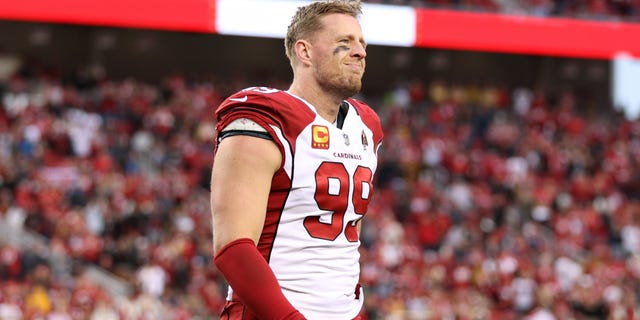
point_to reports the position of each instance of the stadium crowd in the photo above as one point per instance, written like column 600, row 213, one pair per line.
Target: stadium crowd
column 491, row 202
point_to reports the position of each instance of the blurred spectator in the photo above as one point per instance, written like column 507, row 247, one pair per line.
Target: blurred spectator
column 152, row 279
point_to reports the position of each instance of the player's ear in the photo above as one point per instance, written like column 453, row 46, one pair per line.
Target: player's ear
column 302, row 49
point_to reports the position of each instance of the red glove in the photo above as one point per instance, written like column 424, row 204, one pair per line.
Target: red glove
column 253, row 281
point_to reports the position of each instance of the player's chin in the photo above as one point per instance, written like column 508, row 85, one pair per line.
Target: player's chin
column 354, row 78
column 352, row 88
column 358, row 72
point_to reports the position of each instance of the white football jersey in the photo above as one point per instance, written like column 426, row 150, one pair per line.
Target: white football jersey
column 318, row 196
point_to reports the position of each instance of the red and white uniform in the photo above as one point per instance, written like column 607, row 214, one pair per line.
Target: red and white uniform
column 321, row 190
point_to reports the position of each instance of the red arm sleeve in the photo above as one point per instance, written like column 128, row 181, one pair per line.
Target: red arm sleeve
column 253, row 281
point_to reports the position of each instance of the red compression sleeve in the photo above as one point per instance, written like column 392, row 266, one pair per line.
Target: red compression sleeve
column 253, row 281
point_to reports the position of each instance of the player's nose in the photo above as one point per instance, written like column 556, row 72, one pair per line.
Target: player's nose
column 359, row 50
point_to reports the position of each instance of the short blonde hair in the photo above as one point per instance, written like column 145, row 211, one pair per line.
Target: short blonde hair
column 307, row 20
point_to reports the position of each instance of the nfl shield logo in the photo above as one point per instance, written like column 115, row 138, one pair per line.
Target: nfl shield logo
column 365, row 143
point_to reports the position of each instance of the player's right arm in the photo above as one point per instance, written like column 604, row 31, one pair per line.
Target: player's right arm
column 240, row 183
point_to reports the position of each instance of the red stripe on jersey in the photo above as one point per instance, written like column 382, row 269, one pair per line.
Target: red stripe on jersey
column 280, row 187
column 370, row 118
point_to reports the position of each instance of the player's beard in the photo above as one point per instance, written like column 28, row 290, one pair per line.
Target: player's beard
column 342, row 83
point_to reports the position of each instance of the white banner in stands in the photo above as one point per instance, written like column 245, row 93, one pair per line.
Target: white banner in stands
column 625, row 85
column 381, row 24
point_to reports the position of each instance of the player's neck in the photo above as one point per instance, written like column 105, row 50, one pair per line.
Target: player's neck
column 326, row 105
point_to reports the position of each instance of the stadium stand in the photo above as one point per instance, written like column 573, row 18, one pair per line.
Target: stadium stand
column 493, row 201
column 501, row 202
